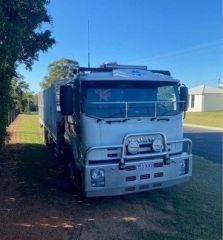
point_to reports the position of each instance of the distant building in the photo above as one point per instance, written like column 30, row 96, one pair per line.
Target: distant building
column 220, row 83
column 204, row 98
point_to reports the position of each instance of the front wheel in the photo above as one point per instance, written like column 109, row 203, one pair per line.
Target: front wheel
column 72, row 174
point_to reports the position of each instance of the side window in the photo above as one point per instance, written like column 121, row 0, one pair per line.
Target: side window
column 166, row 93
column 166, row 97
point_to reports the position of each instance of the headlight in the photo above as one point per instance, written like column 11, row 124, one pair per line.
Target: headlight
column 97, row 178
column 157, row 145
column 133, row 147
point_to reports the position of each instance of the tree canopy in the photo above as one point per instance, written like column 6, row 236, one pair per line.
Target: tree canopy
column 21, row 96
column 21, row 39
column 60, row 69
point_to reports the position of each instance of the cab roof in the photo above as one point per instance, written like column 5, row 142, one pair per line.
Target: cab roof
column 128, row 75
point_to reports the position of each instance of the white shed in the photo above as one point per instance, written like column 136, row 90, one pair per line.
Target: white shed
column 204, row 98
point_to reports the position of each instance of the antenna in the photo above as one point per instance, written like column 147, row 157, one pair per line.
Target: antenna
column 88, row 28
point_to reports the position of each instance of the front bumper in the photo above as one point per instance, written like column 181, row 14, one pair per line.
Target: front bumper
column 133, row 179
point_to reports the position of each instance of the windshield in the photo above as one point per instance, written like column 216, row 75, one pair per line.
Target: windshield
column 130, row 99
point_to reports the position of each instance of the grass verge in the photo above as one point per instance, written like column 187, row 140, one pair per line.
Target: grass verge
column 212, row 119
column 197, row 206
column 41, row 210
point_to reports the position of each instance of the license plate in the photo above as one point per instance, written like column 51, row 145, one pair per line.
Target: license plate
column 145, row 166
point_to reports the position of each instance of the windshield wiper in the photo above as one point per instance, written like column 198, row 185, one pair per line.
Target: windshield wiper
column 98, row 119
column 159, row 119
column 117, row 120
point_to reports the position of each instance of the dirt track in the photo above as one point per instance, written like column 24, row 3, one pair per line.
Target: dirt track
column 33, row 204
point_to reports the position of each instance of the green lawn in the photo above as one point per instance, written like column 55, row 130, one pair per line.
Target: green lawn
column 212, row 119
column 28, row 130
column 192, row 210
column 197, row 206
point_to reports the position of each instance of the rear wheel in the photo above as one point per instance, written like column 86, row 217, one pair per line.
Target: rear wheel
column 45, row 138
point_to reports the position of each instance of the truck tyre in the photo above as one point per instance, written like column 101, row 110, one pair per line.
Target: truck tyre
column 45, row 138
column 71, row 173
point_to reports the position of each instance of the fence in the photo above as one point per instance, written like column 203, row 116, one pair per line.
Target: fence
column 12, row 115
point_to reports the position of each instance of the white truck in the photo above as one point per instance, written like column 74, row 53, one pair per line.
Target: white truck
column 119, row 129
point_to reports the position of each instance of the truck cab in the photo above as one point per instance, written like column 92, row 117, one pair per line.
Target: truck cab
column 124, row 130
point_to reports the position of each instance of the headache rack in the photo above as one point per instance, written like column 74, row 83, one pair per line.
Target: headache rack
column 109, row 68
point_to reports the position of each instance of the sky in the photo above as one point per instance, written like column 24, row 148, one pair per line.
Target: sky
column 183, row 36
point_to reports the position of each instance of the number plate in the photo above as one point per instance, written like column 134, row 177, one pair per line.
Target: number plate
column 145, row 166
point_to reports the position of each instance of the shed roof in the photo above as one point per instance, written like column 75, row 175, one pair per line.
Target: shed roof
column 204, row 89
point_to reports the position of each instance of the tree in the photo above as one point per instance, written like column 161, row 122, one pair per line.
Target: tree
column 21, row 39
column 21, row 96
column 18, row 89
column 60, row 69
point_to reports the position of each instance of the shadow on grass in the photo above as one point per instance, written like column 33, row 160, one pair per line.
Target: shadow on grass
column 188, row 211
column 207, row 144
column 39, row 174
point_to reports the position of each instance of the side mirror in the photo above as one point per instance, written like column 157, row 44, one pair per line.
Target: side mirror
column 66, row 100
column 184, row 96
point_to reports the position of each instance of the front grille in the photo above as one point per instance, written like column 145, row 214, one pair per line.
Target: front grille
column 130, row 178
column 143, row 149
column 112, row 149
column 145, row 176
column 108, row 161
column 158, row 164
column 130, row 168
column 145, row 142
column 159, row 174
column 112, row 155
